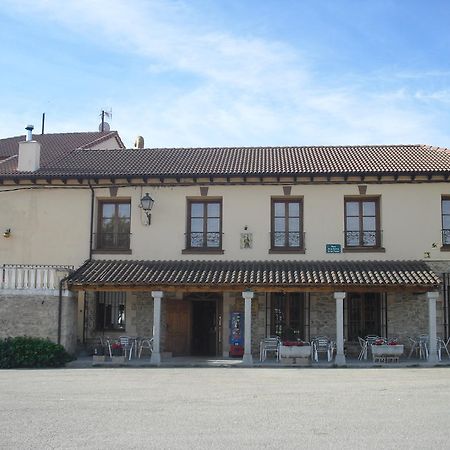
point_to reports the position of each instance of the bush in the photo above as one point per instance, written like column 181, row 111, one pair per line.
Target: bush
column 24, row 351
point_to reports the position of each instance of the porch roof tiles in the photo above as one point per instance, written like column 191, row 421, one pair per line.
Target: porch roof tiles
column 255, row 275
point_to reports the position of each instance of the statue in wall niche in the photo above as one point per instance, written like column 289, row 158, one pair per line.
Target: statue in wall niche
column 246, row 240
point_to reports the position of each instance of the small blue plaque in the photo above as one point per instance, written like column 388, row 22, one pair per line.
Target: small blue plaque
column 333, row 248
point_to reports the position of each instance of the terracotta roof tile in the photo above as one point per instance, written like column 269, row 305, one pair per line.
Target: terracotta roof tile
column 54, row 146
column 338, row 275
column 247, row 161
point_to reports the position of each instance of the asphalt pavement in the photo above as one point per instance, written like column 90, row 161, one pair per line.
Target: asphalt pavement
column 225, row 408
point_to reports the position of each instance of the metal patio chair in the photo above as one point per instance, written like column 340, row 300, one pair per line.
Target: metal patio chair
column 127, row 344
column 146, row 343
column 363, row 345
column 442, row 345
column 269, row 345
column 322, row 344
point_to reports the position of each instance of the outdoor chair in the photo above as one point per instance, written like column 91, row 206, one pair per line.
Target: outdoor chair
column 442, row 345
column 414, row 347
column 106, row 344
column 268, row 345
column 363, row 345
column 423, row 346
column 322, row 344
column 146, row 343
column 127, row 344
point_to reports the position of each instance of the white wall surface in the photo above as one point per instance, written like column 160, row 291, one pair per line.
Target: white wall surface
column 51, row 226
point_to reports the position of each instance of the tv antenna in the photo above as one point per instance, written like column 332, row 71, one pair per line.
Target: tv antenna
column 104, row 126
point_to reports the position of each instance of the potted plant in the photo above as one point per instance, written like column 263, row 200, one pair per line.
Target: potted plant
column 295, row 349
column 386, row 349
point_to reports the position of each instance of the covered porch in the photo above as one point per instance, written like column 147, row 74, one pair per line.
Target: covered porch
column 307, row 299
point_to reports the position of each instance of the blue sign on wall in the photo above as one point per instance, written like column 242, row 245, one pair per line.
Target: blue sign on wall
column 333, row 248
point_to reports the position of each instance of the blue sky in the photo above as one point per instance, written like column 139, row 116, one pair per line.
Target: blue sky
column 230, row 72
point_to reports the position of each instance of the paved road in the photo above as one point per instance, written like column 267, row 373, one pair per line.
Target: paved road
column 225, row 408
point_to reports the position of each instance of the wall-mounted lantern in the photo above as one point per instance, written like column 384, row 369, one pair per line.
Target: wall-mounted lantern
column 147, row 205
column 7, row 233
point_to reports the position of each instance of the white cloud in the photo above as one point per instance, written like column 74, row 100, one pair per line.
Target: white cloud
column 247, row 90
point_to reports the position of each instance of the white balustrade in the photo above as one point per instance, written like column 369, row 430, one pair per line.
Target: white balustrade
column 32, row 277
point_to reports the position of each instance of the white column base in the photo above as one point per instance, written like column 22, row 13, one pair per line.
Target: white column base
column 247, row 359
column 155, row 358
column 340, row 360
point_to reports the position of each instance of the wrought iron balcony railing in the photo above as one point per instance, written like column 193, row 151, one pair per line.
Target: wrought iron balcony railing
column 201, row 240
column 363, row 238
column 111, row 241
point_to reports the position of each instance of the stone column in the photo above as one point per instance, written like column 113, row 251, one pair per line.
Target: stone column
column 156, row 355
column 432, row 354
column 340, row 357
column 248, row 295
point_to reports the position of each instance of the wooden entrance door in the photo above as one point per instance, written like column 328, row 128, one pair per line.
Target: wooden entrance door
column 178, row 327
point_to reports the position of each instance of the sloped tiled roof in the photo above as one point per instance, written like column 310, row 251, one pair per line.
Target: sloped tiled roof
column 256, row 161
column 54, row 146
column 248, row 274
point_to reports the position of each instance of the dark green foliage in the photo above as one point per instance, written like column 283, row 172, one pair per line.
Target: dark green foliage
column 24, row 351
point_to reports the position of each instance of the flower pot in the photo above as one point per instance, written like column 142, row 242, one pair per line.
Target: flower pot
column 387, row 353
column 98, row 358
column 118, row 359
column 295, row 351
column 387, row 350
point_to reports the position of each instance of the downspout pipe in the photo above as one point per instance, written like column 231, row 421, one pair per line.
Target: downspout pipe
column 91, row 236
column 62, row 281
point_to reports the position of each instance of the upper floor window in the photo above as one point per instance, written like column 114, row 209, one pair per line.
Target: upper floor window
column 204, row 225
column 362, row 223
column 287, row 224
column 445, row 208
column 113, row 231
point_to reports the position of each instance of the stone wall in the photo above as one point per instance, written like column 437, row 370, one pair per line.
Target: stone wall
column 407, row 315
column 322, row 315
column 36, row 315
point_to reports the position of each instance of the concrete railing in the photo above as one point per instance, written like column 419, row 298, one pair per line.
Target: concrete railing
column 32, row 277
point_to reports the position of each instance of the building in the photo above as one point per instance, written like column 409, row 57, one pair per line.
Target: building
column 302, row 241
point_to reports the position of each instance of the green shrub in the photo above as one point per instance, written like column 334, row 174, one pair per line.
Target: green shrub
column 25, row 351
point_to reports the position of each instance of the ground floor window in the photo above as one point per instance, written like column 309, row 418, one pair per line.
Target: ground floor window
column 110, row 311
column 287, row 315
column 364, row 315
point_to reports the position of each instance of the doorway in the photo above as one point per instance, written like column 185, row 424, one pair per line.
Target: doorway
column 203, row 328
column 206, row 324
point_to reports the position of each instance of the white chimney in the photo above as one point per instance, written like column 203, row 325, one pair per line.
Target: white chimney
column 29, row 153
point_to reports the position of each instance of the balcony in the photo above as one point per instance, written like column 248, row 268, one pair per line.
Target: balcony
column 203, row 242
column 40, row 279
column 363, row 240
column 287, row 242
